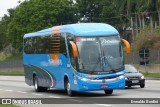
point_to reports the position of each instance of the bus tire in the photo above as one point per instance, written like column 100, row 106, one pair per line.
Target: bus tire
column 68, row 88
column 36, row 85
column 108, row 92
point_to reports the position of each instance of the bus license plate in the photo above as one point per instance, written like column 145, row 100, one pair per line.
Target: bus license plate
column 104, row 86
column 135, row 81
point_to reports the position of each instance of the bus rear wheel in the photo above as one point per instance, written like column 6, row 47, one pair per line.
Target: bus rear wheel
column 68, row 88
column 108, row 92
column 36, row 85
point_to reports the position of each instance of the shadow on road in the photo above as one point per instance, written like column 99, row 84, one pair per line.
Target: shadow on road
column 80, row 94
column 128, row 88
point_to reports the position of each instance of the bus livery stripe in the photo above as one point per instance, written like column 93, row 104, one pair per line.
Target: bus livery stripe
column 55, row 56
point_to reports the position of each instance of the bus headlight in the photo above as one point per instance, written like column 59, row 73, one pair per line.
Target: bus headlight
column 84, row 79
column 121, row 77
column 142, row 77
column 81, row 78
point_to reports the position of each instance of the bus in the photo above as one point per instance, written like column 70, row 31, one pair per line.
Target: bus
column 75, row 57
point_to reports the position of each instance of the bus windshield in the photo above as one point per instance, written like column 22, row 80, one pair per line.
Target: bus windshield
column 99, row 55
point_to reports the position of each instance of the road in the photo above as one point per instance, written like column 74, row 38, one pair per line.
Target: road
column 15, row 87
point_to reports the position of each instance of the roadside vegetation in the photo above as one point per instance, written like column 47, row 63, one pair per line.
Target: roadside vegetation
column 155, row 75
column 34, row 15
column 148, row 38
column 11, row 73
column 9, row 56
column 8, row 105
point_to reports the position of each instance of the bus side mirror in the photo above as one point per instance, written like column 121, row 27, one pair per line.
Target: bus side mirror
column 74, row 48
column 127, row 46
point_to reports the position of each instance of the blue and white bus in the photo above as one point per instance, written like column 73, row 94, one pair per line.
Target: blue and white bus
column 75, row 57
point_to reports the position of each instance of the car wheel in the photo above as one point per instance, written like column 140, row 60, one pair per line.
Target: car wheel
column 129, row 86
column 36, row 85
column 142, row 85
column 108, row 92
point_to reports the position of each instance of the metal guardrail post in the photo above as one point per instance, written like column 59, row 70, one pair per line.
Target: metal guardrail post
column 159, row 58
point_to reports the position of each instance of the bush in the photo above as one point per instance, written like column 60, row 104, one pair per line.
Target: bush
column 148, row 38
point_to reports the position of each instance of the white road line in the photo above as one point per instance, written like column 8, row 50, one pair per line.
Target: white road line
column 106, row 105
column 21, row 92
column 37, row 94
column 75, row 100
column 54, row 97
column 8, row 90
column 3, row 78
column 158, row 97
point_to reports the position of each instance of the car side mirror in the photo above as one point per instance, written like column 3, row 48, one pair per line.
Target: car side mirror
column 74, row 49
column 127, row 46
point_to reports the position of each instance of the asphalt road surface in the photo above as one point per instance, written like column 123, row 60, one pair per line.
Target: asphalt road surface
column 15, row 87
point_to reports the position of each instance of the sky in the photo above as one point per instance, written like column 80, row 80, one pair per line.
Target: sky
column 7, row 4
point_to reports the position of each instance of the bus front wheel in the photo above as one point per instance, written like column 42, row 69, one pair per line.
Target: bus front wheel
column 36, row 85
column 68, row 88
column 108, row 92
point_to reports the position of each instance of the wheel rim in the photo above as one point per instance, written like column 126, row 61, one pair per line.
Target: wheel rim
column 68, row 89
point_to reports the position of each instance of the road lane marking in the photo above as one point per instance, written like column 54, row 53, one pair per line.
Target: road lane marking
column 54, row 97
column 37, row 94
column 75, row 100
column 158, row 97
column 8, row 90
column 21, row 92
column 106, row 105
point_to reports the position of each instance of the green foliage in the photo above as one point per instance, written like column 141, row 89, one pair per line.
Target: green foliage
column 7, row 57
column 148, row 38
column 34, row 15
column 11, row 73
column 8, row 105
column 157, row 75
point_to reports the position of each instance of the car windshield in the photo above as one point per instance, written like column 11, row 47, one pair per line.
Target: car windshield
column 130, row 69
column 100, row 54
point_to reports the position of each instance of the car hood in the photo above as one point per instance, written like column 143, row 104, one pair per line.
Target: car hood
column 133, row 75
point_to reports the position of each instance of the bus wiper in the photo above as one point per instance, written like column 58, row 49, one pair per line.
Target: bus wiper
column 106, row 60
column 81, row 66
column 99, row 60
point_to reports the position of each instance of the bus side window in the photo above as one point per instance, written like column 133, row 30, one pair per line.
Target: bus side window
column 70, row 37
column 57, row 44
column 28, row 46
column 37, row 45
column 63, row 45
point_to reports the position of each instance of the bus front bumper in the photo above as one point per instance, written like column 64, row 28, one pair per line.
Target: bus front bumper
column 107, row 84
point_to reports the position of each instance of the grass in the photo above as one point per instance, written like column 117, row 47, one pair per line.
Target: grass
column 11, row 73
column 157, row 75
column 8, row 105
column 7, row 57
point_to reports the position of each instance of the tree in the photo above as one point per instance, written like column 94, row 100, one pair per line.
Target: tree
column 34, row 15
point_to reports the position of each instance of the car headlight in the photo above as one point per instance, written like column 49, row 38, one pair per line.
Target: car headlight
column 142, row 77
column 126, row 78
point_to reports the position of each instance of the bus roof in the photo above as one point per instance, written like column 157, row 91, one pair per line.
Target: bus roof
column 80, row 29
